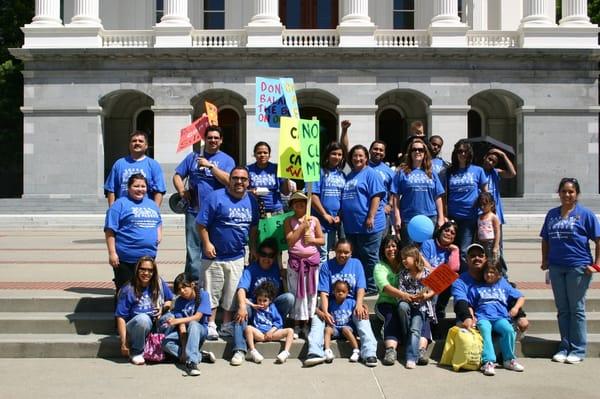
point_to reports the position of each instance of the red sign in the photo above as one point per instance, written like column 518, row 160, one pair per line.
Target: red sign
column 440, row 279
column 192, row 133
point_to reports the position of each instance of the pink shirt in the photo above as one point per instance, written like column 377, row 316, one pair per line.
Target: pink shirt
column 300, row 249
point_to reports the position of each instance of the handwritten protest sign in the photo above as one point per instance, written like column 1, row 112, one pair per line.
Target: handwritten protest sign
column 290, row 163
column 275, row 111
column 212, row 112
column 273, row 228
column 309, row 149
column 192, row 133
column 289, row 92
column 440, row 279
column 268, row 91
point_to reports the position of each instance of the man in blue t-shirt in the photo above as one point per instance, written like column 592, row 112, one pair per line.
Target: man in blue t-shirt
column 206, row 171
column 438, row 164
column 376, row 157
column 226, row 219
column 137, row 162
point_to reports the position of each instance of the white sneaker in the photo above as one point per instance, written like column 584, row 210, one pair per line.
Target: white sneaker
column 283, row 356
column 138, row 360
column 410, row 364
column 212, row 335
column 559, row 357
column 355, row 356
column 227, row 329
column 489, row 369
column 329, row 356
column 237, row 359
column 573, row 359
column 255, row 356
column 513, row 365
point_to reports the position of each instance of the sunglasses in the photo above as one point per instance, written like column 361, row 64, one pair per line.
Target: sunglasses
column 145, row 270
column 417, row 149
column 270, row 255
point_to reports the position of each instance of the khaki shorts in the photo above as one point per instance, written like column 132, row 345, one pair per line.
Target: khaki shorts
column 221, row 278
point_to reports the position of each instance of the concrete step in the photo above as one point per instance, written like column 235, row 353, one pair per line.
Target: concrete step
column 57, row 323
column 546, row 323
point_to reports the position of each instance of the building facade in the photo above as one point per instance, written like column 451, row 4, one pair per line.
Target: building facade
column 97, row 69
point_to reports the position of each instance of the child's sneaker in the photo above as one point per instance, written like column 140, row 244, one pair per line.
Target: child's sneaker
column 282, row 357
column 208, row 357
column 255, row 356
column 410, row 364
column 227, row 329
column 237, row 358
column 192, row 369
column 329, row 356
column 212, row 334
column 390, row 357
column 355, row 355
column 513, row 365
column 138, row 360
column 488, row 368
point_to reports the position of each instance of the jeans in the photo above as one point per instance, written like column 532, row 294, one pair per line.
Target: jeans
column 365, row 247
column 411, row 323
column 464, row 237
column 507, row 334
column 388, row 313
column 316, row 336
column 284, row 304
column 569, row 286
column 196, row 335
column 138, row 329
column 193, row 254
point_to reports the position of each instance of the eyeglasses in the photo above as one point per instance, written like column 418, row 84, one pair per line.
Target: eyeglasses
column 145, row 270
column 417, row 149
column 270, row 255
column 237, row 178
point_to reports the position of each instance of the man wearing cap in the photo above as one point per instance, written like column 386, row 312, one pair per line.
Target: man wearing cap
column 476, row 259
column 206, row 172
column 136, row 162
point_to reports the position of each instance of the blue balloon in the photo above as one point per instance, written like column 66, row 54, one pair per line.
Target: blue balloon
column 420, row 228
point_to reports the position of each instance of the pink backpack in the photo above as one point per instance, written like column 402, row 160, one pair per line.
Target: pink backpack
column 153, row 351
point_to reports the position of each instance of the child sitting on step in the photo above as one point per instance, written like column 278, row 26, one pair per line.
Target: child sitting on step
column 340, row 311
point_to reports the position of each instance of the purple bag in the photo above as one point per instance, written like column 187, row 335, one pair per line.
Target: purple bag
column 153, row 351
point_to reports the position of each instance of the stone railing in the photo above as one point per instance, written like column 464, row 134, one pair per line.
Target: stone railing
column 310, row 38
column 127, row 38
column 219, row 38
column 492, row 38
column 401, row 38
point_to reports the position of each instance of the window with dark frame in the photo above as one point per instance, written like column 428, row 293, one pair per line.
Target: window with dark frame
column 160, row 10
column 309, row 14
column 214, row 14
column 404, row 14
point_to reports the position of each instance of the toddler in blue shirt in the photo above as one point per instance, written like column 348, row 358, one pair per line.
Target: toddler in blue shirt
column 339, row 320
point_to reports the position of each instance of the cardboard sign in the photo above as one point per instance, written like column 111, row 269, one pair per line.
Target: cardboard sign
column 309, row 149
column 289, row 92
column 289, row 163
column 440, row 279
column 275, row 111
column 213, row 113
column 192, row 133
column 268, row 91
column 273, row 228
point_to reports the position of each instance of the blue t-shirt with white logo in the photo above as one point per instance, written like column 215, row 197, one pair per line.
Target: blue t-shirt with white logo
column 418, row 193
column 342, row 313
column 435, row 254
column 228, row 220
column 135, row 224
column 201, row 180
column 128, row 306
column 116, row 182
column 267, row 178
column 187, row 307
column 438, row 165
column 361, row 187
column 254, row 275
column 490, row 301
column 464, row 186
column 568, row 239
column 461, row 287
column 386, row 174
column 352, row 272
column 329, row 189
column 266, row 319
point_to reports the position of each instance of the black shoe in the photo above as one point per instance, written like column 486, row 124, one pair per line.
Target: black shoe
column 423, row 358
column 208, row 357
column 313, row 359
column 192, row 369
column 371, row 361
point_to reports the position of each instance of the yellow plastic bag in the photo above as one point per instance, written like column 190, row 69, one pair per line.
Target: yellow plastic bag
column 462, row 349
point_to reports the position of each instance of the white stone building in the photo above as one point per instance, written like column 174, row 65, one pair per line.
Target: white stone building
column 97, row 69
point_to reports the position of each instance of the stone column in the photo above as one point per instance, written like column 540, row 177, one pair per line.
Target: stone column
column 450, row 122
column 169, row 119
column 356, row 28
column 356, row 12
column 266, row 12
column 174, row 28
column 478, row 17
column 86, row 13
column 535, row 13
column 574, row 13
column 445, row 13
column 176, row 13
column 446, row 30
column 47, row 13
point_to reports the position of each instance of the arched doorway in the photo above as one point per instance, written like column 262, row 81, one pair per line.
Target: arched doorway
column 397, row 109
column 125, row 111
column 315, row 103
column 232, row 119
column 494, row 114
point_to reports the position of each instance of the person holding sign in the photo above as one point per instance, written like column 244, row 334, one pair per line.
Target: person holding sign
column 206, row 171
column 264, row 183
column 304, row 236
column 362, row 212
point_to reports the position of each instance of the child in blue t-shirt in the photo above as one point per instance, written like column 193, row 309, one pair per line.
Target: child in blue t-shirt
column 267, row 324
column 490, row 302
column 339, row 320
column 187, row 326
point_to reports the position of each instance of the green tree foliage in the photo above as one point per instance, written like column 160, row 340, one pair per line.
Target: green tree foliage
column 594, row 11
column 13, row 15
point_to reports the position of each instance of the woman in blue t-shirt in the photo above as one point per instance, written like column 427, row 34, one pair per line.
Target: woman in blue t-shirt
column 140, row 303
column 566, row 253
column 464, row 182
column 264, row 183
column 416, row 190
column 362, row 212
